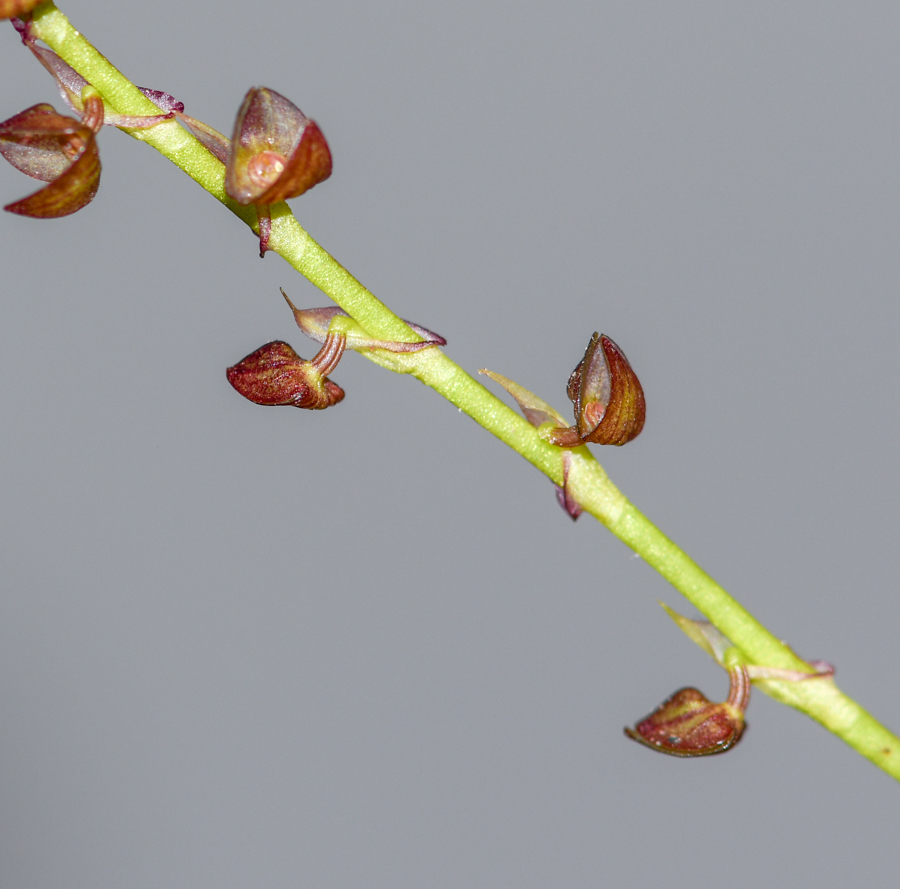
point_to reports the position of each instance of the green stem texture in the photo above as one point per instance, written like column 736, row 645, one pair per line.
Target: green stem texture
column 588, row 483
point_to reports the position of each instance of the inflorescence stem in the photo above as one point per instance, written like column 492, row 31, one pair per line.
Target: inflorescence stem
column 586, row 480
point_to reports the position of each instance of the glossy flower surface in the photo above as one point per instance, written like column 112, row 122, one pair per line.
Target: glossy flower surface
column 608, row 398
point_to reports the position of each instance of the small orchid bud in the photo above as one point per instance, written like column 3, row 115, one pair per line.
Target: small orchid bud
column 14, row 8
column 276, row 375
column 276, row 151
column 688, row 724
column 318, row 323
column 55, row 149
column 608, row 399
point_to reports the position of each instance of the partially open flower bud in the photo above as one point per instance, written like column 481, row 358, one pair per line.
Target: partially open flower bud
column 276, row 375
column 276, row 151
column 56, row 149
column 688, row 724
column 608, row 399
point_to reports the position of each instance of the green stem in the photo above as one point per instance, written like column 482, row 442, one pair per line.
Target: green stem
column 588, row 483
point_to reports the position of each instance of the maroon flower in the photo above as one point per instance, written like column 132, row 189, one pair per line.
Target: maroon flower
column 688, row 724
column 277, row 152
column 61, row 150
column 276, row 375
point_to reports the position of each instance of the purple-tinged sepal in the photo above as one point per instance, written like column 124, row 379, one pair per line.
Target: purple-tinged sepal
column 318, row 323
column 163, row 101
column 72, row 87
column 564, row 496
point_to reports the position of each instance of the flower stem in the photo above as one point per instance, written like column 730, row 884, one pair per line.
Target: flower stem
column 587, row 482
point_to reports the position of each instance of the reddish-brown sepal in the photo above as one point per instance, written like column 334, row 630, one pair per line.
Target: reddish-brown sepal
column 56, row 149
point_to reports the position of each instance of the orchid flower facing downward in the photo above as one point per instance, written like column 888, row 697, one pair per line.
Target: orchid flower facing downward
column 687, row 723
column 276, row 375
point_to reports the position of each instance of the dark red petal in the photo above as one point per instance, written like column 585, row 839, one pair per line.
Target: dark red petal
column 49, row 146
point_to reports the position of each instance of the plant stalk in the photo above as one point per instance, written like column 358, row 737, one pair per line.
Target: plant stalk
column 819, row 698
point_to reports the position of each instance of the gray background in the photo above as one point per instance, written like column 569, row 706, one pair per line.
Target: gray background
column 364, row 648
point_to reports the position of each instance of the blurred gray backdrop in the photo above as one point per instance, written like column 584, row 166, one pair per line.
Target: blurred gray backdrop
column 365, row 648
